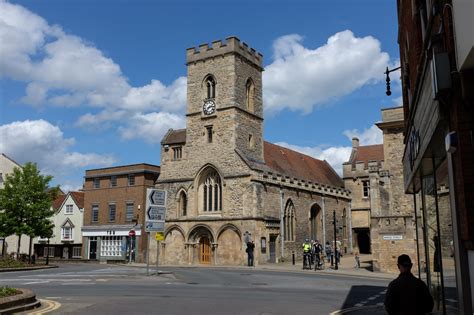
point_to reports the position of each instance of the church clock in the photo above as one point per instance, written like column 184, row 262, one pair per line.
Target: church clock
column 209, row 107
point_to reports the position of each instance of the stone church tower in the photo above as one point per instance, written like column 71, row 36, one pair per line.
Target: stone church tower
column 225, row 184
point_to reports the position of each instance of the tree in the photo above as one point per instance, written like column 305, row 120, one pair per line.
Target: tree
column 26, row 201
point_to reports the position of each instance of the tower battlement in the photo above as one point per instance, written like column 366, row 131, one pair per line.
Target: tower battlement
column 219, row 48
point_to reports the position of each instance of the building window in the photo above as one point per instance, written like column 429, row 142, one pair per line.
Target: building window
column 48, row 251
column 366, row 188
column 177, row 153
column 182, row 203
column 210, row 87
column 68, row 209
column 113, row 181
column 111, row 246
column 96, row 182
column 211, row 191
column 131, row 180
column 251, row 142
column 76, row 252
column 66, row 233
column 209, row 134
column 95, row 213
column 250, row 92
column 112, row 212
column 289, row 221
column 129, row 211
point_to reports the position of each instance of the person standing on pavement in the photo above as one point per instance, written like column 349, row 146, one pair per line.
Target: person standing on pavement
column 249, row 250
column 407, row 294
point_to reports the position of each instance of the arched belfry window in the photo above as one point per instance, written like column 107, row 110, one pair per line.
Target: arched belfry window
column 289, row 221
column 182, row 203
column 210, row 84
column 250, row 94
column 210, row 191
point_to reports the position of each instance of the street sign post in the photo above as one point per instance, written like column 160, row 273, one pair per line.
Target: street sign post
column 155, row 215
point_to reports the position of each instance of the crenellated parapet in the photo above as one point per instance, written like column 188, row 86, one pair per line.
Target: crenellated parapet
column 301, row 184
column 232, row 45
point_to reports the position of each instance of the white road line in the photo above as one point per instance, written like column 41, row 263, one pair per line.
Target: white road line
column 35, row 282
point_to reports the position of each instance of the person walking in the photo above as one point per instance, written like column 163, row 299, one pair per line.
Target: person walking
column 249, row 250
column 407, row 294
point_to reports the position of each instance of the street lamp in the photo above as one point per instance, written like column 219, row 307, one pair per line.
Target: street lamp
column 387, row 72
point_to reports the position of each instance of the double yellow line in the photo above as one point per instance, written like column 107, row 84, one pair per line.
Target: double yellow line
column 50, row 306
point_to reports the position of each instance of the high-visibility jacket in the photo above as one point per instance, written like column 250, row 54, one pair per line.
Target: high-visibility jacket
column 306, row 247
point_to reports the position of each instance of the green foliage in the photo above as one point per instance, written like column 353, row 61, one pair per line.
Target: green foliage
column 6, row 291
column 26, row 201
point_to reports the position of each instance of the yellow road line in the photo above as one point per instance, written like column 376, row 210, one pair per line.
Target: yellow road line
column 51, row 306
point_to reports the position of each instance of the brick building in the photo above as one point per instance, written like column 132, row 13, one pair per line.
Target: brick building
column 437, row 65
column 227, row 185
column 114, row 204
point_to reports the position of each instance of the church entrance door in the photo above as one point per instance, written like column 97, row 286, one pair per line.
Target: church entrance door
column 204, row 250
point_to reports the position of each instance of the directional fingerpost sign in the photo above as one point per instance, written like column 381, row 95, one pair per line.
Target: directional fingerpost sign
column 155, row 212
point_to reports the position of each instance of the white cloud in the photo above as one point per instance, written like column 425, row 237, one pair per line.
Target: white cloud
column 301, row 78
column 151, row 127
column 372, row 135
column 64, row 70
column 335, row 156
column 43, row 143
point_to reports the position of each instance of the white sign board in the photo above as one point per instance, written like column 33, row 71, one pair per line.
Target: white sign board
column 155, row 211
column 392, row 237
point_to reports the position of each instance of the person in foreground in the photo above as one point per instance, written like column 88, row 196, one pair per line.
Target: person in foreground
column 407, row 294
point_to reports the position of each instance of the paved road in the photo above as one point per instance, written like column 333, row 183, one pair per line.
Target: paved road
column 106, row 289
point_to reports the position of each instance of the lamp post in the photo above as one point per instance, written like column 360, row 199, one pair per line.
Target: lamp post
column 387, row 72
column 335, row 240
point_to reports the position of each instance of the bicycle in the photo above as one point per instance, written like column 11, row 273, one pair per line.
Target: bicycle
column 307, row 260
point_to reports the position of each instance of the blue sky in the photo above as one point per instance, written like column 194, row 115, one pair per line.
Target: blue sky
column 88, row 84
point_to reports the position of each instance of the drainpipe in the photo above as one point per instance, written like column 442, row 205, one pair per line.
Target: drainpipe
column 349, row 218
column 282, row 226
column 324, row 221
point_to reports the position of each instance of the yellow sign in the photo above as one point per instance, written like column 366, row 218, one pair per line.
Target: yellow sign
column 160, row 236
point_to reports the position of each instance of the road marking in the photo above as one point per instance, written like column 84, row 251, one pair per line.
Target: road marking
column 35, row 282
column 51, row 306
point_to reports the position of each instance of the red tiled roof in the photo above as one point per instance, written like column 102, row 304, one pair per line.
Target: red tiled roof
column 78, row 197
column 299, row 165
column 58, row 201
column 368, row 153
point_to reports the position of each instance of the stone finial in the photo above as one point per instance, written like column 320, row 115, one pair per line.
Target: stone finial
column 355, row 142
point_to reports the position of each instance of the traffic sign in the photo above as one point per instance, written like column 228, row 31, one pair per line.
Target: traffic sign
column 156, row 213
column 160, row 236
column 154, row 226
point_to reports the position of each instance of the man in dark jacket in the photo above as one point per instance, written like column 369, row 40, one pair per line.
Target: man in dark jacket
column 407, row 294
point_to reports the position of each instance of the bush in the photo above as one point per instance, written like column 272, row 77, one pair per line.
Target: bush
column 6, row 291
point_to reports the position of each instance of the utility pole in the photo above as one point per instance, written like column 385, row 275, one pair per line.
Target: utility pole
column 335, row 240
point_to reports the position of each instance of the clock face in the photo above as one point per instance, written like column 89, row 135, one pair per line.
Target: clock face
column 209, row 107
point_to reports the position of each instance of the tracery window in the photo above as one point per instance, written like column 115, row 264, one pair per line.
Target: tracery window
column 211, row 191
column 210, row 87
column 289, row 221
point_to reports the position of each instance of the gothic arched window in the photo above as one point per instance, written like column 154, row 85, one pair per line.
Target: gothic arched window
column 289, row 221
column 210, row 190
column 210, row 84
column 249, row 94
column 182, row 203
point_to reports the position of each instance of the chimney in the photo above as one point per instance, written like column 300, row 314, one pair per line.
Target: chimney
column 355, row 142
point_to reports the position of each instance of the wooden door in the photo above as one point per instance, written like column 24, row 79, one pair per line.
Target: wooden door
column 204, row 250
